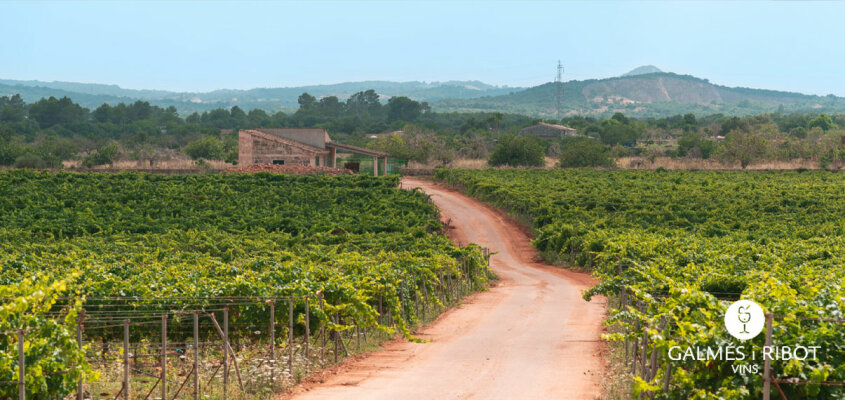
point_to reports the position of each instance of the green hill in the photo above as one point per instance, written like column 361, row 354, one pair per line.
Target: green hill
column 647, row 95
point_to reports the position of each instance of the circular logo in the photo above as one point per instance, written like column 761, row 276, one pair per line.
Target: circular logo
column 744, row 319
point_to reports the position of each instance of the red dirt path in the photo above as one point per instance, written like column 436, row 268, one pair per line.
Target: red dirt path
column 531, row 336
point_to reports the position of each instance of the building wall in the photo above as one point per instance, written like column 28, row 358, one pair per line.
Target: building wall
column 257, row 150
column 546, row 132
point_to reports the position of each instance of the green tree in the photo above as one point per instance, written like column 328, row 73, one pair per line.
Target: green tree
column 582, row 152
column 102, row 156
column 366, row 102
column 742, row 147
column 822, row 121
column 518, row 151
column 403, row 109
column 695, row 144
column 208, row 148
column 306, row 101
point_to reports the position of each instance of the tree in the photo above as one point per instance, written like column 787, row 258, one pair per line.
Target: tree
column 403, row 109
column 330, row 106
column 518, row 151
column 742, row 147
column 695, row 143
column 12, row 109
column 582, row 152
column 620, row 130
column 208, row 148
column 822, row 121
column 366, row 102
column 52, row 111
column 306, row 101
column 102, row 156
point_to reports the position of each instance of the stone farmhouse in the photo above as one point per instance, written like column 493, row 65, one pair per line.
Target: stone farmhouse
column 549, row 131
column 297, row 146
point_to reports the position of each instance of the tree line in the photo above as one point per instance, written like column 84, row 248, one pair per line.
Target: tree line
column 50, row 131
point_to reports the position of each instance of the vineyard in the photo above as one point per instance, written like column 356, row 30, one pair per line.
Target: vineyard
column 96, row 268
column 674, row 249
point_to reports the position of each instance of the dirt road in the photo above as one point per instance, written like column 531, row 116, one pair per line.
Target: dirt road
column 531, row 336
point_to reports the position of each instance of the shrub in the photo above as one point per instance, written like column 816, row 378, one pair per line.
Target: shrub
column 518, row 151
column 30, row 160
column 584, row 152
column 102, row 156
column 209, row 148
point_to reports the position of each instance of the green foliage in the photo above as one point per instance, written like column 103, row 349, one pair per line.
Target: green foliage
column 695, row 144
column 685, row 244
column 54, row 362
column 584, row 152
column 358, row 240
column 620, row 130
column 29, row 160
column 822, row 121
column 518, row 151
column 403, row 109
column 102, row 156
column 742, row 147
column 209, row 148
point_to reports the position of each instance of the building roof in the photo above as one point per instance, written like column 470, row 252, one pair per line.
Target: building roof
column 315, row 137
column 285, row 140
column 356, row 149
column 558, row 127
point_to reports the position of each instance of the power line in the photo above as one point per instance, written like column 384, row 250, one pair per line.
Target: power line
column 558, row 90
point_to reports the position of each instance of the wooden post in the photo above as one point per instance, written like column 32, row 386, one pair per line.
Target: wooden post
column 335, row 335
column 21, row 367
column 225, row 338
column 272, row 342
column 767, row 362
column 225, row 353
column 322, row 333
column 125, row 359
column 375, row 166
column 164, row 356
column 307, row 332
column 290, row 336
column 196, row 355
column 79, row 394
column 384, row 165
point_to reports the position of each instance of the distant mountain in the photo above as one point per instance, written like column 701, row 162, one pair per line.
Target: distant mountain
column 646, row 95
column 645, row 69
column 642, row 92
column 272, row 99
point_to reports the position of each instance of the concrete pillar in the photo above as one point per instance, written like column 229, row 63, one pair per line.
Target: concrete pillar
column 375, row 166
column 332, row 157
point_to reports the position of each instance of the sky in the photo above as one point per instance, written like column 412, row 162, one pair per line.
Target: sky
column 203, row 46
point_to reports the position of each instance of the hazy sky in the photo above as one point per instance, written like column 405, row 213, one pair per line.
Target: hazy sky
column 199, row 46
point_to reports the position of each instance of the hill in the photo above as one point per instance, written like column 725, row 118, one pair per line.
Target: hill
column 645, row 69
column 92, row 95
column 643, row 92
column 648, row 94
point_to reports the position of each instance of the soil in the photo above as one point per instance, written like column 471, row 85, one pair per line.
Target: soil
column 530, row 336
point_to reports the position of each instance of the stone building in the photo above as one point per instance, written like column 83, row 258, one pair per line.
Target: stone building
column 297, row 146
column 549, row 131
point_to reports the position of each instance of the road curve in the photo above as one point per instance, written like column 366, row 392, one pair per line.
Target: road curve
column 531, row 336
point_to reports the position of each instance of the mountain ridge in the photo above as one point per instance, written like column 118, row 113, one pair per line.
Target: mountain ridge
column 640, row 92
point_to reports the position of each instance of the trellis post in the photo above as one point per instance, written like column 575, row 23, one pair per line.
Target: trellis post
column 225, row 353
column 196, row 355
column 164, row 356
column 21, row 367
column 767, row 362
column 125, row 359
column 79, row 394
column 272, row 342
